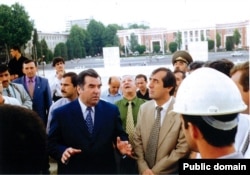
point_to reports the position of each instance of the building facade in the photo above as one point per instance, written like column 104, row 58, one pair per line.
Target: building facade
column 162, row 36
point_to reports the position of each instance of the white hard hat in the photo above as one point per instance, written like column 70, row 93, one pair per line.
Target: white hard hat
column 208, row 92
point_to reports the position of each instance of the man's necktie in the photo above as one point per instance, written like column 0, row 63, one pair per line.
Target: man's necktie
column 130, row 127
column 89, row 121
column 31, row 88
column 151, row 150
column 8, row 92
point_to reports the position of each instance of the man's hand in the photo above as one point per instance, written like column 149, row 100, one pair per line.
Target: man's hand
column 148, row 172
column 124, row 147
column 68, row 153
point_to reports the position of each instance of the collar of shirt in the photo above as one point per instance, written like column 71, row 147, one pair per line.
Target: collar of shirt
column 27, row 79
column 84, row 110
column 164, row 109
column 125, row 101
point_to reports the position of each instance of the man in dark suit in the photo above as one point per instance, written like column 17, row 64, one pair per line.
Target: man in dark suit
column 84, row 133
column 38, row 89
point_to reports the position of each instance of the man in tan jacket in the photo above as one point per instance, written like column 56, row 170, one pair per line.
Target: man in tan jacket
column 170, row 144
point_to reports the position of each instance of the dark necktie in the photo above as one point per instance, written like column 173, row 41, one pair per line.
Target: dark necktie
column 8, row 92
column 89, row 121
column 151, row 150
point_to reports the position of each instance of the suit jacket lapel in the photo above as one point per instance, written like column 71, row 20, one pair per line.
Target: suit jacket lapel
column 167, row 123
column 98, row 122
column 150, row 114
column 77, row 117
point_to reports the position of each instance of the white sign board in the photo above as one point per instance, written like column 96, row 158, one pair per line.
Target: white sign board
column 198, row 50
column 111, row 57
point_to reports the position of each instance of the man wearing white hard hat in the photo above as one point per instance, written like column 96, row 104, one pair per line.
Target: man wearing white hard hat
column 209, row 103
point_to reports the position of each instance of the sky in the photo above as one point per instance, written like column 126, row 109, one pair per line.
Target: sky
column 51, row 15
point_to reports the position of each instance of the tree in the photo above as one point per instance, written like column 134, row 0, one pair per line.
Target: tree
column 229, row 43
column 218, row 40
column 109, row 36
column 202, row 37
column 173, row 47
column 156, row 48
column 15, row 26
column 141, row 49
column 133, row 42
column 76, row 42
column 46, row 53
column 35, row 44
column 210, row 44
column 178, row 40
column 61, row 50
column 96, row 29
column 136, row 26
column 236, row 37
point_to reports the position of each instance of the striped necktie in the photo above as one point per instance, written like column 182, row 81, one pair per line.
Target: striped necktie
column 152, row 145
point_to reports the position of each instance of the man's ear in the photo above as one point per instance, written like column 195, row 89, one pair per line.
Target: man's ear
column 194, row 131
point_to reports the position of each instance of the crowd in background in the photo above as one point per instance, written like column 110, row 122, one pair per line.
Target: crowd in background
column 138, row 125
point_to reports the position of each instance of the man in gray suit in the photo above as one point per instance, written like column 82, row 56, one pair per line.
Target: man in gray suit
column 170, row 141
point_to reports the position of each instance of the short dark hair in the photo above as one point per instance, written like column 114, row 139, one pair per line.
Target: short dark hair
column 3, row 68
column 29, row 61
column 195, row 65
column 57, row 60
column 73, row 77
column 23, row 141
column 89, row 72
column 141, row 76
column 168, row 80
column 15, row 47
column 223, row 65
column 213, row 136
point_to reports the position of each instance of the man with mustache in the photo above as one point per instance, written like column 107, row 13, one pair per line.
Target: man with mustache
column 13, row 89
column 69, row 93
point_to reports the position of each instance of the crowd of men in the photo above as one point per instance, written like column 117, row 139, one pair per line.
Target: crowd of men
column 138, row 125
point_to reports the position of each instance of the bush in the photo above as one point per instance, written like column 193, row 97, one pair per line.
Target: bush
column 173, row 47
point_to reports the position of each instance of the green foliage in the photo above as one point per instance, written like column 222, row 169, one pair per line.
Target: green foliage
column 173, row 47
column 136, row 26
column 15, row 26
column 156, row 48
column 218, row 40
column 178, row 40
column 77, row 43
column 141, row 49
column 229, row 43
column 202, row 37
column 96, row 30
column 61, row 50
column 210, row 44
column 35, row 45
column 109, row 36
column 133, row 42
column 123, row 49
column 236, row 37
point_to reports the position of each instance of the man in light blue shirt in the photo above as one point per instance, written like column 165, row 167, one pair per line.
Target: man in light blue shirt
column 69, row 93
column 113, row 93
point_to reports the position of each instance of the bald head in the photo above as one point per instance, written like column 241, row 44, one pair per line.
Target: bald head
column 114, row 84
